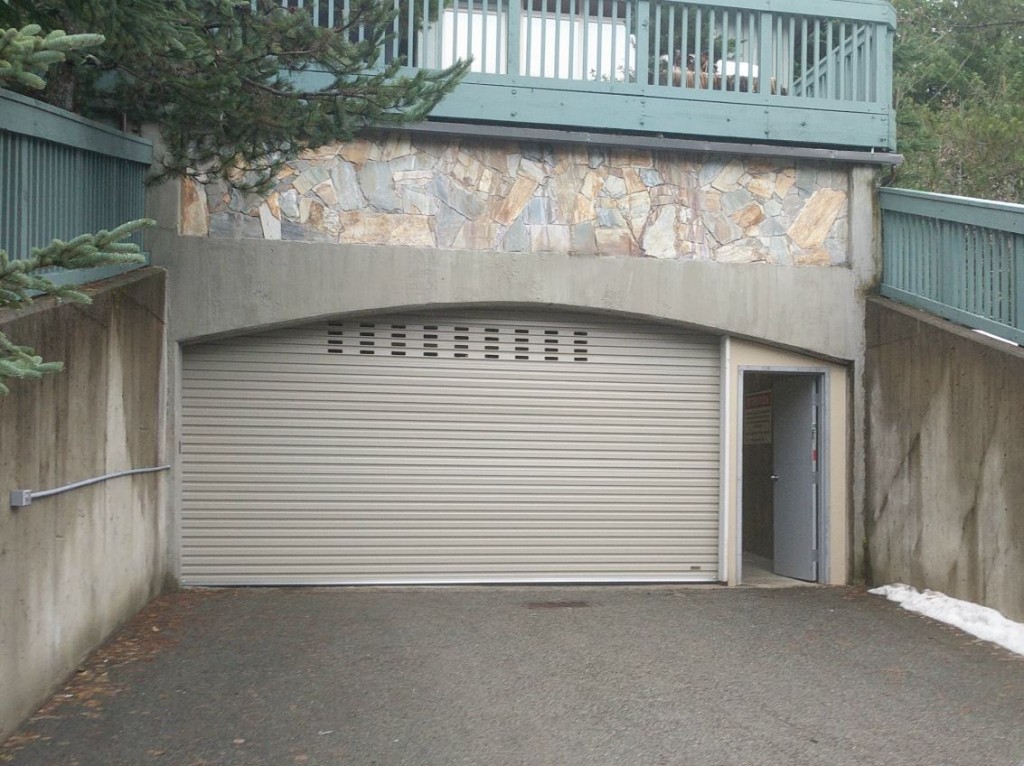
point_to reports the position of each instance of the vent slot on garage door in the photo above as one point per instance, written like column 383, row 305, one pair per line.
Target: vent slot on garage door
column 458, row 341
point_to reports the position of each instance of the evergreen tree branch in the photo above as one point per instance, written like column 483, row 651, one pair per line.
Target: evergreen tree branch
column 22, row 362
column 20, row 284
column 26, row 53
column 238, row 88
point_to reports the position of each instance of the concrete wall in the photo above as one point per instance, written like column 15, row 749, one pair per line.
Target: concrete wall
column 945, row 436
column 74, row 566
column 776, row 250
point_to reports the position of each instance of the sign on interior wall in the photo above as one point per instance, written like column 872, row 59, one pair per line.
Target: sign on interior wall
column 757, row 418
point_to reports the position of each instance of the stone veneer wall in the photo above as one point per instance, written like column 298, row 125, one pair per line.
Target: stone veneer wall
column 474, row 194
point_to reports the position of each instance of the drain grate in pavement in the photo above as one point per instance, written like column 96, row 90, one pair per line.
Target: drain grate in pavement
column 556, row 604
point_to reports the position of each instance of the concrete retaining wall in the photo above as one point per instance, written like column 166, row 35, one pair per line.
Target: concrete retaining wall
column 945, row 435
column 74, row 566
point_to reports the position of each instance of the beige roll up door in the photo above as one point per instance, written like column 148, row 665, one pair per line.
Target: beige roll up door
column 478, row 447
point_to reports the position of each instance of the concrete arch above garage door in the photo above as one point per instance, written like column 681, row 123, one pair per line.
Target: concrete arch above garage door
column 486, row 446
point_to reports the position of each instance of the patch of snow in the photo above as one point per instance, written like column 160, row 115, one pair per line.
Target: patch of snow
column 981, row 621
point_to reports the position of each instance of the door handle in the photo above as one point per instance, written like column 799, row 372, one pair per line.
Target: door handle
column 774, row 477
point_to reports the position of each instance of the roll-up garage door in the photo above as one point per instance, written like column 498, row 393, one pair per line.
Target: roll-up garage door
column 477, row 447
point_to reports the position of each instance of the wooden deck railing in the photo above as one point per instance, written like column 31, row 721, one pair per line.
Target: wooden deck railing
column 808, row 72
column 960, row 258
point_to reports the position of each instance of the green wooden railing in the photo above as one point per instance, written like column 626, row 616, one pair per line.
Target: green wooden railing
column 808, row 72
column 62, row 176
column 960, row 258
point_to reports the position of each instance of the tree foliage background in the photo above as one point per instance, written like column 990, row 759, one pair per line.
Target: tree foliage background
column 959, row 96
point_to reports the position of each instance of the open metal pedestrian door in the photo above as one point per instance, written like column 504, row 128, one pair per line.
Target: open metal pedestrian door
column 795, row 476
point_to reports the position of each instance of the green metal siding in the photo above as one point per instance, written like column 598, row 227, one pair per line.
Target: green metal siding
column 62, row 176
column 960, row 258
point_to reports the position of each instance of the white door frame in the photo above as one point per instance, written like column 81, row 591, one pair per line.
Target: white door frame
column 824, row 457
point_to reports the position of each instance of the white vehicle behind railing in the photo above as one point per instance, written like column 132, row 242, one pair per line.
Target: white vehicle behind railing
column 736, row 68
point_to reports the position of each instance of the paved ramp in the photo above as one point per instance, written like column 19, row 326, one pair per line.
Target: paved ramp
column 495, row 676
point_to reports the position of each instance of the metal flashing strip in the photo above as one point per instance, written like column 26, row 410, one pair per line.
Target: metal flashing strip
column 652, row 142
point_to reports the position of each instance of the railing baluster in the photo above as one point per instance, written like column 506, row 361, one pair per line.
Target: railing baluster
column 643, row 41
column 614, row 28
column 484, row 36
column 455, row 31
column 395, row 26
column 843, row 65
column 712, row 13
column 855, row 63
column 544, row 38
column 784, row 78
column 529, row 38
column 432, row 33
column 670, row 49
column 828, row 79
column 765, row 51
column 654, row 37
column 470, row 18
column 814, row 69
column 753, row 55
column 415, row 39
column 884, row 38
column 1017, row 280
column 558, row 39
column 586, row 39
column 725, row 55
column 999, row 267
column 626, row 68
column 572, row 40
column 684, row 49
column 803, row 61
column 698, row 79
column 513, row 46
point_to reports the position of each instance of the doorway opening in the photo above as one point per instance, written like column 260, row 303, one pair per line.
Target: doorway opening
column 782, row 536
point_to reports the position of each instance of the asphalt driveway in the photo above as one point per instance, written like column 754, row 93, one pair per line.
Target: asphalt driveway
column 494, row 676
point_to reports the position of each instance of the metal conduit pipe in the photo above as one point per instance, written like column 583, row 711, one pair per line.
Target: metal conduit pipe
column 22, row 497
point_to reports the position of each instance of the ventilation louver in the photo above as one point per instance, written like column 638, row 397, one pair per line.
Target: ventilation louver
column 463, row 341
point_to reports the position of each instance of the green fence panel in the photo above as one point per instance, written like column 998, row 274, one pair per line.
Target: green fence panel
column 62, row 176
column 960, row 258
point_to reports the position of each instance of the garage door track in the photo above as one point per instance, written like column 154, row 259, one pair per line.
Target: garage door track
column 495, row 676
